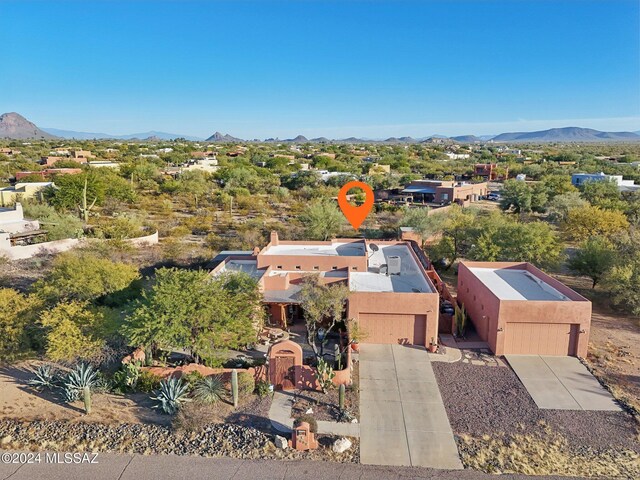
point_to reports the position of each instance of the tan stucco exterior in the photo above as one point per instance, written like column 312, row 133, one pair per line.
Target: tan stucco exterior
column 543, row 327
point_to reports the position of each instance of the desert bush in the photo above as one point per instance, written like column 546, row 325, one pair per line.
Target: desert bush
column 193, row 378
column 262, row 388
column 147, row 382
column 246, row 384
column 44, row 378
column 193, row 417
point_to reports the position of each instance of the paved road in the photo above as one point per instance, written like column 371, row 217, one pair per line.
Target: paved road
column 402, row 417
column 561, row 383
column 163, row 467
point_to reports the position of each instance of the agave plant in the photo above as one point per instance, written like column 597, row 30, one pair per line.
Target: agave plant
column 209, row 390
column 172, row 394
column 81, row 380
column 44, row 378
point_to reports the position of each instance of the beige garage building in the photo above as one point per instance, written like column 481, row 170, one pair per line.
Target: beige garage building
column 518, row 309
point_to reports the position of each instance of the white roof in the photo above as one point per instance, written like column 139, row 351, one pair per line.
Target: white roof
column 341, row 249
column 516, row 284
column 410, row 279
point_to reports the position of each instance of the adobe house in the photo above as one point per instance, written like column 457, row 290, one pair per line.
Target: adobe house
column 392, row 296
column 445, row 191
column 518, row 309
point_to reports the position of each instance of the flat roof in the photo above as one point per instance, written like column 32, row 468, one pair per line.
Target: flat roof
column 517, row 284
column 335, row 249
column 247, row 266
column 410, row 279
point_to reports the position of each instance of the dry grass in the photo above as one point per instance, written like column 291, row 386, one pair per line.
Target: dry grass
column 545, row 454
column 193, row 416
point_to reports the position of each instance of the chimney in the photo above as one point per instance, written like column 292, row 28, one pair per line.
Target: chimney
column 274, row 239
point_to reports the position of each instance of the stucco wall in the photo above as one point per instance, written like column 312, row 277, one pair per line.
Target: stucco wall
column 391, row 304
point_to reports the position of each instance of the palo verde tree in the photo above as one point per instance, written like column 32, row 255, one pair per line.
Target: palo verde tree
column 322, row 219
column 190, row 310
column 323, row 306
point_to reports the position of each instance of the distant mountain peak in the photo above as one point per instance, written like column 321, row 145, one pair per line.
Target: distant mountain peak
column 14, row 125
column 565, row 134
column 219, row 137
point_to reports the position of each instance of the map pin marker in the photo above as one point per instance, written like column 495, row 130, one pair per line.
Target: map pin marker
column 355, row 215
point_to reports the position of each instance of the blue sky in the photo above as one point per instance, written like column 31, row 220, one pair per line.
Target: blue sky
column 258, row 69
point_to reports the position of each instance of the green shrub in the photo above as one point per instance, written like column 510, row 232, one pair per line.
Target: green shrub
column 262, row 388
column 44, row 378
column 192, row 378
column 246, row 384
column 171, row 395
column 148, row 382
column 313, row 425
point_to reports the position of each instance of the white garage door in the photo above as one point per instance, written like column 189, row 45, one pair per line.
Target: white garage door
column 393, row 328
column 541, row 338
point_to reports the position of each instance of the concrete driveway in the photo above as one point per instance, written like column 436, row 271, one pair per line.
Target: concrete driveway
column 561, row 383
column 402, row 418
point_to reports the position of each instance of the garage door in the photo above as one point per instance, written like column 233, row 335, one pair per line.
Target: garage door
column 393, row 328
column 541, row 338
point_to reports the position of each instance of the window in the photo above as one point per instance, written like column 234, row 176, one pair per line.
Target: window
column 354, row 268
column 467, row 289
column 474, row 298
column 316, row 267
column 279, row 267
column 298, row 267
column 334, row 268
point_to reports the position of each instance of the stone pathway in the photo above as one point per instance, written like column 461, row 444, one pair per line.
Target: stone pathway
column 403, row 419
column 280, row 416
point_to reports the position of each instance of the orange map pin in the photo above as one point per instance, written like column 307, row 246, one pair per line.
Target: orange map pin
column 355, row 215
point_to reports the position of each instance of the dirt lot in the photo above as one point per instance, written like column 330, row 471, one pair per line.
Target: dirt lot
column 19, row 401
column 500, row 429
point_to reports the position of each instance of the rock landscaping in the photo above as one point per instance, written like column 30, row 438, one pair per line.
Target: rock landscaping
column 499, row 428
column 324, row 406
column 223, row 439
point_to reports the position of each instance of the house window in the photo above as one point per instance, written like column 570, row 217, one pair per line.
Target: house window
column 354, row 268
column 474, row 298
column 298, row 267
column 482, row 307
column 334, row 268
column 279, row 267
column 467, row 289
column 316, row 267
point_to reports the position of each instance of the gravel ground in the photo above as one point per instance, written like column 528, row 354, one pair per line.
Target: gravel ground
column 491, row 400
column 324, row 405
column 225, row 439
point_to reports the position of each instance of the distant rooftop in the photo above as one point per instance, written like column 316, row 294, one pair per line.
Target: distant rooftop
column 517, row 284
column 340, row 249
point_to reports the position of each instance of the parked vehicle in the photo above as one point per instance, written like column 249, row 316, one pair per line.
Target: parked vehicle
column 447, row 308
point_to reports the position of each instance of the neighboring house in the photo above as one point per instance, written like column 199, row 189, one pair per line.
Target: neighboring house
column 578, row 179
column 489, row 171
column 81, row 154
column 12, row 221
column 392, row 296
column 457, row 156
column 203, row 164
column 9, row 151
column 104, row 164
column 379, row 168
column 444, row 191
column 22, row 191
column 49, row 160
column 49, row 171
column 518, row 309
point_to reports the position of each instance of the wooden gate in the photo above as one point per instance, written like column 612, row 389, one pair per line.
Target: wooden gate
column 284, row 373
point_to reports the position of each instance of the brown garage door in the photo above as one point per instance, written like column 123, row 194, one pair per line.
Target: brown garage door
column 541, row 338
column 394, row 328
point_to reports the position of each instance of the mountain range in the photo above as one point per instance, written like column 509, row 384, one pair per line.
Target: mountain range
column 15, row 126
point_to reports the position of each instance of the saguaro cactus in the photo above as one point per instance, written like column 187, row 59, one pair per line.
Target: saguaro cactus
column 86, row 396
column 234, row 386
column 85, row 209
column 341, row 393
